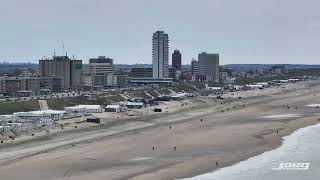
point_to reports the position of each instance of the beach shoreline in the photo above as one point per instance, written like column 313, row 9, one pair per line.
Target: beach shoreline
column 297, row 147
column 276, row 143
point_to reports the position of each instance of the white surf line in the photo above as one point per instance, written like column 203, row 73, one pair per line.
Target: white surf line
column 140, row 159
column 282, row 116
column 313, row 105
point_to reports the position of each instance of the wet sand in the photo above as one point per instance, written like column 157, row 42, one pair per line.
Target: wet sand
column 124, row 150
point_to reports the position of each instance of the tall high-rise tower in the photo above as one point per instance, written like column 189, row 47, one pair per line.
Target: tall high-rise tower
column 176, row 60
column 160, row 54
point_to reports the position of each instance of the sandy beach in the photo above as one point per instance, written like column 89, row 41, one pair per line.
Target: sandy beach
column 169, row 145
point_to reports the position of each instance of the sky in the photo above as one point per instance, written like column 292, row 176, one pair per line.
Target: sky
column 241, row 31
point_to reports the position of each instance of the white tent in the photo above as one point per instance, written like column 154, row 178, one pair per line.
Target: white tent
column 85, row 109
column 51, row 114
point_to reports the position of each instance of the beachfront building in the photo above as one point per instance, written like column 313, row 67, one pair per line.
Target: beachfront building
column 135, row 105
column 112, row 108
column 101, row 65
column 67, row 71
column 54, row 84
column 176, row 60
column 20, row 86
column 102, row 71
column 143, row 72
column 160, row 55
column 194, row 69
column 173, row 73
column 209, row 66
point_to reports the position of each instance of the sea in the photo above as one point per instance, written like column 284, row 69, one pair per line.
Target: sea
column 298, row 158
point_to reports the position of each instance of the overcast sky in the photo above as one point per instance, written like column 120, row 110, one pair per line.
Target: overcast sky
column 241, row 31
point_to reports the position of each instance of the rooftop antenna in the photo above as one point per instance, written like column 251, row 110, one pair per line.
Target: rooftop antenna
column 62, row 49
column 54, row 53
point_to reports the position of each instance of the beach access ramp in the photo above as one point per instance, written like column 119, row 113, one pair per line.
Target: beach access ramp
column 43, row 105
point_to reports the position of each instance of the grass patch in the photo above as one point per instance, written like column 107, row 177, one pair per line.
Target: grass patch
column 61, row 103
column 115, row 98
column 153, row 93
column 164, row 91
column 12, row 107
column 184, row 87
column 140, row 94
